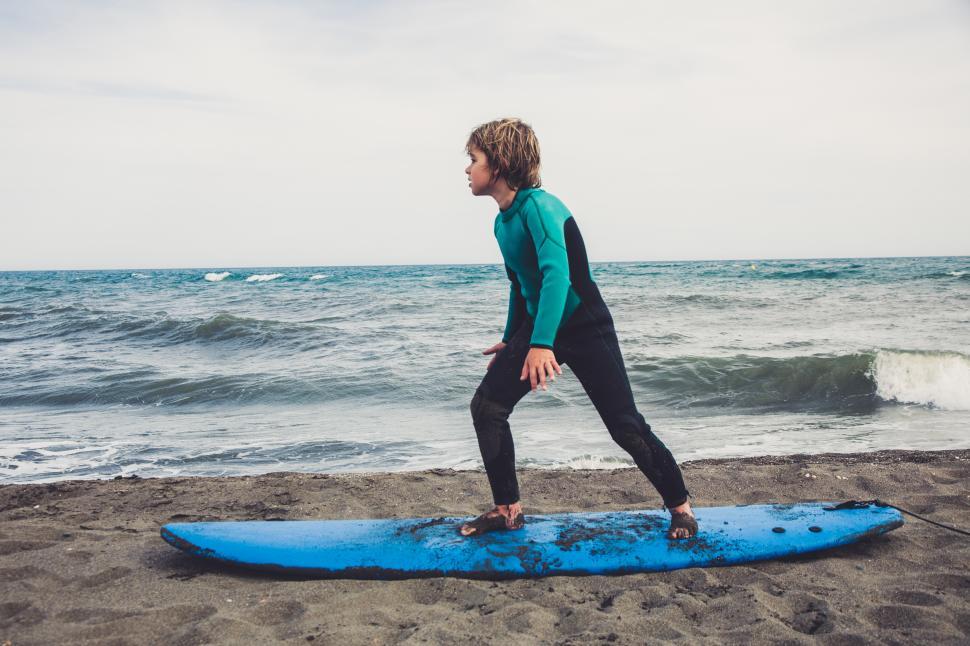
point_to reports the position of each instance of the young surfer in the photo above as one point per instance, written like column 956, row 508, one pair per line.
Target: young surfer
column 556, row 316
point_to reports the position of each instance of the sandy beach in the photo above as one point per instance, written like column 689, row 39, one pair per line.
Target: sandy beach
column 82, row 562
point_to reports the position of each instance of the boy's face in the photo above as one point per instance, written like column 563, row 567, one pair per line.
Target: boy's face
column 479, row 174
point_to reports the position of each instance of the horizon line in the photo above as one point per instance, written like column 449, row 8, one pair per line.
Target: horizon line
column 466, row 264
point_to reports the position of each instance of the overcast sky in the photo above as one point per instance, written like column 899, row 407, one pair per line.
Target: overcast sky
column 230, row 134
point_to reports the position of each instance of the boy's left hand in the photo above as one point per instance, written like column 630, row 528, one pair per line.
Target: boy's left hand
column 539, row 363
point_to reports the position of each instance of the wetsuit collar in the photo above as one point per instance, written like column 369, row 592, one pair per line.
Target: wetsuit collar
column 520, row 196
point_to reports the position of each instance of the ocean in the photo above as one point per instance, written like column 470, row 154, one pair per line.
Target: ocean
column 226, row 371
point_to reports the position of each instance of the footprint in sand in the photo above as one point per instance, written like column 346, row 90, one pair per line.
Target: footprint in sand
column 277, row 612
column 804, row 613
column 80, row 555
column 20, row 613
column 905, row 617
column 104, row 576
column 916, row 598
column 23, row 573
column 12, row 547
column 95, row 615
column 943, row 479
column 183, row 614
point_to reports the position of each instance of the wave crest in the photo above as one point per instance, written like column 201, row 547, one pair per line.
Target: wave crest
column 852, row 383
column 146, row 387
column 937, row 379
column 161, row 329
column 810, row 274
column 949, row 275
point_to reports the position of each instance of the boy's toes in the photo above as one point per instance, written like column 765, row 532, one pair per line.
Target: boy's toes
column 682, row 525
column 486, row 522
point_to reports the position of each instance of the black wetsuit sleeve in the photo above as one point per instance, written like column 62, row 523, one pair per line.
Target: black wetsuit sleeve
column 517, row 311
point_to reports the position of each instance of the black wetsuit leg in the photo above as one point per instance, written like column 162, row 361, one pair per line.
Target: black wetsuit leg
column 587, row 343
column 500, row 390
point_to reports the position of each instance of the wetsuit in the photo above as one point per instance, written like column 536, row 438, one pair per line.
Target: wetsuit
column 555, row 303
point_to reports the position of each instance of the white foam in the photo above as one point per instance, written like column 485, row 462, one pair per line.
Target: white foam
column 138, row 275
column 319, row 276
column 589, row 461
column 216, row 277
column 261, row 278
column 957, row 274
column 54, row 458
column 938, row 379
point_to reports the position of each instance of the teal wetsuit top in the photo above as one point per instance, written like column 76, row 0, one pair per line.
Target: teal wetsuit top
column 545, row 260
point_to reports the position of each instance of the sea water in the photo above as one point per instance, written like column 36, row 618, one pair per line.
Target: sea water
column 221, row 370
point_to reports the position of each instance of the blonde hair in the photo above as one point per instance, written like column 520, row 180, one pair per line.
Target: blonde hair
column 512, row 150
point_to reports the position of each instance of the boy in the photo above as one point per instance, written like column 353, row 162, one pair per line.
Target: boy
column 556, row 314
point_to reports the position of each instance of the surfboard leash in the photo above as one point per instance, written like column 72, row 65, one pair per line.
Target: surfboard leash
column 860, row 504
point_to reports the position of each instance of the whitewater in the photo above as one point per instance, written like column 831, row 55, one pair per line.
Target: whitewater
column 233, row 370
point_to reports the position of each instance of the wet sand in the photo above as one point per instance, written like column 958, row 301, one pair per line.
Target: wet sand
column 82, row 562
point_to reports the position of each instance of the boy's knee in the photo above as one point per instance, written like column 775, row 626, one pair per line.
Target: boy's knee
column 625, row 429
column 491, row 423
column 630, row 431
column 484, row 410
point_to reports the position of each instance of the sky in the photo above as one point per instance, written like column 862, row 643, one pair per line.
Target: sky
column 260, row 134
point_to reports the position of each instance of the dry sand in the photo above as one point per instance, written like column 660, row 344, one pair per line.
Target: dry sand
column 82, row 562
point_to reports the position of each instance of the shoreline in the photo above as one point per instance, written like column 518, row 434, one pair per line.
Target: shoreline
column 82, row 561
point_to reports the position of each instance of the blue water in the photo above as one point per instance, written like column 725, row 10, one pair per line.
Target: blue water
column 249, row 370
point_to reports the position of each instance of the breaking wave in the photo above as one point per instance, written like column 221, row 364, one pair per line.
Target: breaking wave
column 262, row 278
column 852, row 383
column 937, row 379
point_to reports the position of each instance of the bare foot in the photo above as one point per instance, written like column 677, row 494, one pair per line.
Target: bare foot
column 682, row 522
column 511, row 513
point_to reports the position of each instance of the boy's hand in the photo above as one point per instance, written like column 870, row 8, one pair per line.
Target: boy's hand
column 495, row 349
column 540, row 363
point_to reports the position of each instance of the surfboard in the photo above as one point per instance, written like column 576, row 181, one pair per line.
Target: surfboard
column 613, row 542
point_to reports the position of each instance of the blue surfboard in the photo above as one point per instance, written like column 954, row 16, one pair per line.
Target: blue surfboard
column 614, row 542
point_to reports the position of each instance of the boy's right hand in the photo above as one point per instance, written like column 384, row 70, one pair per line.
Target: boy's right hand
column 495, row 349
